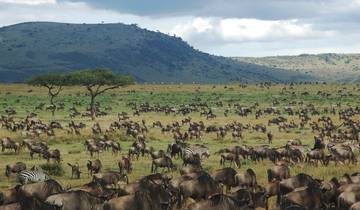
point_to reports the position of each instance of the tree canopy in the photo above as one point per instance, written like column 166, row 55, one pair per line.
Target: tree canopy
column 97, row 77
column 48, row 80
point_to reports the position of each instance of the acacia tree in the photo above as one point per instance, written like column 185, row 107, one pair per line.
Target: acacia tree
column 54, row 82
column 97, row 82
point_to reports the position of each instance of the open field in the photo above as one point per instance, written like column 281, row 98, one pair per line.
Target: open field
column 72, row 147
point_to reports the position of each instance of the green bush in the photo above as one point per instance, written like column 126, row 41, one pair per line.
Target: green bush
column 53, row 169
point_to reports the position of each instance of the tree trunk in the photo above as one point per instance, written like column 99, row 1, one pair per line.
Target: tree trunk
column 92, row 107
column 53, row 106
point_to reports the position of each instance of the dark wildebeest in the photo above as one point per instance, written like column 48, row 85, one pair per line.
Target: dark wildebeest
column 162, row 162
column 347, row 198
column 316, row 155
column 75, row 170
column 219, row 201
column 9, row 196
column 115, row 147
column 7, row 143
column 300, row 180
column 270, row 137
column 54, row 154
column 225, row 176
column 174, row 149
column 125, row 165
column 253, row 199
column 93, row 148
column 40, row 190
column 272, row 188
column 347, row 179
column 355, row 206
column 35, row 149
column 94, row 166
column 72, row 200
column 12, row 206
column 110, row 178
column 233, row 158
column 157, row 154
column 133, row 152
column 344, row 154
column 247, row 179
column 200, row 188
column 14, row 168
column 193, row 159
column 32, row 203
column 93, row 188
column 150, row 195
column 309, row 197
column 278, row 173
column 189, row 169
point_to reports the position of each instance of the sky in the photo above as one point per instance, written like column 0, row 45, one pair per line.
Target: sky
column 221, row 27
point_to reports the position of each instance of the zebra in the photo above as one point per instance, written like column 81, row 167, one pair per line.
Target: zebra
column 31, row 176
column 189, row 156
column 198, row 149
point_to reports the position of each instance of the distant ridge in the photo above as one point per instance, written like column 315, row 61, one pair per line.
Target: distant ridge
column 329, row 66
column 31, row 48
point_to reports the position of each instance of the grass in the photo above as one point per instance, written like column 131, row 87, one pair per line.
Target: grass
column 72, row 148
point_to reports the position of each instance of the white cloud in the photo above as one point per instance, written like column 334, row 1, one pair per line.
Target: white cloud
column 217, row 35
column 29, row 2
column 244, row 30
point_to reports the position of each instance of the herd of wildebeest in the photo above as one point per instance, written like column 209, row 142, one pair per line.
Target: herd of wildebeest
column 232, row 187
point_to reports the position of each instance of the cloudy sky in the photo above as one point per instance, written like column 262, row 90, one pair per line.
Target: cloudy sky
column 221, row 27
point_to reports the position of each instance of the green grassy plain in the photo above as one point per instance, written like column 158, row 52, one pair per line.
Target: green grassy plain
column 72, row 148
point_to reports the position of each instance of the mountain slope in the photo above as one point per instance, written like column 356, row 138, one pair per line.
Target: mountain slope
column 333, row 67
column 31, row 48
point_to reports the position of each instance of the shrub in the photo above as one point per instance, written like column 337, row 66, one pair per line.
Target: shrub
column 53, row 169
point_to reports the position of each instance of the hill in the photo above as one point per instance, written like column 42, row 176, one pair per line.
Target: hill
column 332, row 67
column 31, row 48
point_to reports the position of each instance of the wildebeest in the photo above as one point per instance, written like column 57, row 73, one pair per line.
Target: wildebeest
column 75, row 170
column 247, row 179
column 316, row 155
column 53, row 154
column 225, row 176
column 309, row 197
column 94, row 166
column 200, row 188
column 300, row 180
column 174, row 149
column 125, row 165
column 110, row 178
column 219, row 201
column 278, row 173
column 347, row 198
column 78, row 200
column 190, row 169
column 149, row 196
column 162, row 162
column 40, row 190
column 233, row 158
column 14, row 168
column 7, row 143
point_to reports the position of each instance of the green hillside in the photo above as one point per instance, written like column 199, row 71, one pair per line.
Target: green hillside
column 333, row 67
column 30, row 48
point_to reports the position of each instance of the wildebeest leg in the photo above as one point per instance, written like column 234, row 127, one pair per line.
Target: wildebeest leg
column 236, row 164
